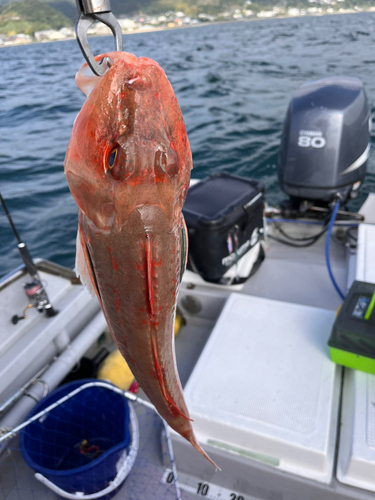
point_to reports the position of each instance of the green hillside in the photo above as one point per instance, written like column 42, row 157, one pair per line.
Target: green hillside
column 195, row 7
column 30, row 16
column 192, row 7
column 213, row 7
column 67, row 7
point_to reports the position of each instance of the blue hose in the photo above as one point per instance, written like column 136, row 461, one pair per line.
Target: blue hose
column 310, row 222
column 328, row 241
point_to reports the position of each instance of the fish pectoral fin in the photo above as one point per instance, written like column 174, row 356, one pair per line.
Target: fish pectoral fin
column 83, row 268
column 184, row 248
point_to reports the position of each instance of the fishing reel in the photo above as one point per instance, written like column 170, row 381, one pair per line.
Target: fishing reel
column 38, row 299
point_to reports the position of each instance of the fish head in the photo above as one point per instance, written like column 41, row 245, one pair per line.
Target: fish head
column 129, row 148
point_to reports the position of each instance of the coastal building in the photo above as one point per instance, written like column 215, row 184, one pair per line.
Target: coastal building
column 127, row 24
column 50, row 35
column 175, row 19
column 294, row 12
column 18, row 39
column 268, row 13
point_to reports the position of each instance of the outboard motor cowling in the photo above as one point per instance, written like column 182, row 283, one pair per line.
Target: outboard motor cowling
column 325, row 142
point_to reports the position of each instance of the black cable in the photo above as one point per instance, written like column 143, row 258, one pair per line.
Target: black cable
column 291, row 244
column 305, row 241
column 304, row 238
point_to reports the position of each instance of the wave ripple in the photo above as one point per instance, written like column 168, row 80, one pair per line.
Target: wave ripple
column 233, row 82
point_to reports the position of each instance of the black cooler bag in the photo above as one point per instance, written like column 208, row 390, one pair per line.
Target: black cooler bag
column 224, row 219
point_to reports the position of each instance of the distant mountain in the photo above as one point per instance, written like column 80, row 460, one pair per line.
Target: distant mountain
column 193, row 7
column 29, row 16
column 132, row 7
column 119, row 7
column 69, row 7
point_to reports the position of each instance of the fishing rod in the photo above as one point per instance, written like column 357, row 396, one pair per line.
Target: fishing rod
column 34, row 289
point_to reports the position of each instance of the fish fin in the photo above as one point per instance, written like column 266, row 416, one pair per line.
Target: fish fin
column 184, row 248
column 174, row 408
column 149, row 271
column 86, row 81
column 197, row 446
column 151, row 303
column 83, row 266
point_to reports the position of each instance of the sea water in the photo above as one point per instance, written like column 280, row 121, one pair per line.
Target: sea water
column 233, row 82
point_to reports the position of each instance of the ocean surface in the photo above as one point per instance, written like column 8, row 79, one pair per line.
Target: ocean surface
column 233, row 82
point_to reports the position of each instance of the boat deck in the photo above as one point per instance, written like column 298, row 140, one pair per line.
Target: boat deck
column 289, row 275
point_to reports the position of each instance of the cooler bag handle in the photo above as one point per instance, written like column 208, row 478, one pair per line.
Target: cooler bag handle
column 123, row 466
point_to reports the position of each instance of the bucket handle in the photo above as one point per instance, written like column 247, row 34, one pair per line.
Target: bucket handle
column 123, row 466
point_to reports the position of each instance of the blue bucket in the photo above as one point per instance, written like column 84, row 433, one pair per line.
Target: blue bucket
column 80, row 445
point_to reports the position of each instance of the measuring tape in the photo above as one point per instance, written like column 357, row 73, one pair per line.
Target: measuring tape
column 207, row 490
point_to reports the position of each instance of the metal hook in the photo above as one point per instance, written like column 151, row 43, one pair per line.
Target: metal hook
column 91, row 11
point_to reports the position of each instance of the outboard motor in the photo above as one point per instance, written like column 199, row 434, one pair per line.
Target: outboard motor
column 325, row 142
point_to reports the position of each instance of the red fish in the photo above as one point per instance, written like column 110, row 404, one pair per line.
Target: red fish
column 128, row 168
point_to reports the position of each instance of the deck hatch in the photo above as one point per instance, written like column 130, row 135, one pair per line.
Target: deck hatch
column 265, row 383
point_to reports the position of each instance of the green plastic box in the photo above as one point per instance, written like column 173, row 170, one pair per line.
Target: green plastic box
column 352, row 340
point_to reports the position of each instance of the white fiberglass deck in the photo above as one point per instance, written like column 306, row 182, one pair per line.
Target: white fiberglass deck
column 296, row 275
column 31, row 344
column 265, row 387
column 356, row 460
column 366, row 253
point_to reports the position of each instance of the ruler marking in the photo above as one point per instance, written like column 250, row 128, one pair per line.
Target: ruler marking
column 203, row 489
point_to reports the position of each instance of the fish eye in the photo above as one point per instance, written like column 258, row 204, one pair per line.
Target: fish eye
column 112, row 158
column 167, row 162
column 116, row 164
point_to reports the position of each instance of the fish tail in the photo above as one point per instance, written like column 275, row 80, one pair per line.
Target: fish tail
column 197, row 446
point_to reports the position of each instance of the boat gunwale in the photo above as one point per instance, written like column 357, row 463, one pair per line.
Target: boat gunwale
column 42, row 265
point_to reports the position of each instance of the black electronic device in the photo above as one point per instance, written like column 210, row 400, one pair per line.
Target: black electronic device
column 326, row 141
column 224, row 219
